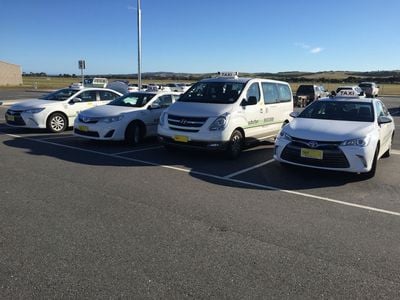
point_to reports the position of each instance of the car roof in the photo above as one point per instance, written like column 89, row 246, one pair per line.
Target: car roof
column 344, row 99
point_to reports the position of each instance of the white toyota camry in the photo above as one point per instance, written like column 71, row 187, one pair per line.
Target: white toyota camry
column 340, row 133
column 57, row 111
column 130, row 117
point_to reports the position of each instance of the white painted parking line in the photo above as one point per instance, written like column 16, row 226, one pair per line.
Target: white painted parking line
column 139, row 149
column 185, row 170
column 397, row 152
column 249, row 169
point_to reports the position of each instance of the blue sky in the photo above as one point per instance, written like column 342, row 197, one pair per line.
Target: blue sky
column 201, row 35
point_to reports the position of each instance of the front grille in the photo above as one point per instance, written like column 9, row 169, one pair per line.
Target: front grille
column 189, row 124
column 86, row 133
column 17, row 118
column 322, row 145
column 333, row 157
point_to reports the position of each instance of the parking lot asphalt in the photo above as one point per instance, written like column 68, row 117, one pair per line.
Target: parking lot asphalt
column 93, row 219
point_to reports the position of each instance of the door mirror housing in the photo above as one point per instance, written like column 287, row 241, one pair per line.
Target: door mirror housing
column 252, row 100
column 75, row 100
column 384, row 120
column 154, row 106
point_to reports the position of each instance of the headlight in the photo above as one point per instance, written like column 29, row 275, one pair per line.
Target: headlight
column 113, row 119
column 360, row 142
column 285, row 136
column 220, row 123
column 162, row 118
column 34, row 110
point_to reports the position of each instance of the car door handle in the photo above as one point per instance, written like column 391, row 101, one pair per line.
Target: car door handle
column 261, row 110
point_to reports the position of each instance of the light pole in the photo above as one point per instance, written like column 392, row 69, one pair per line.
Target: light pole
column 139, row 26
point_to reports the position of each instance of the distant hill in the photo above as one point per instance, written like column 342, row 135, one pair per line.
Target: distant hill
column 291, row 76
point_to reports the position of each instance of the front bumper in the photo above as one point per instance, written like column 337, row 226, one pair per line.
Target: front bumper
column 347, row 159
column 100, row 131
column 25, row 120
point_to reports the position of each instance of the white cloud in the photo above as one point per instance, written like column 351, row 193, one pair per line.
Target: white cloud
column 316, row 50
column 308, row 48
column 131, row 8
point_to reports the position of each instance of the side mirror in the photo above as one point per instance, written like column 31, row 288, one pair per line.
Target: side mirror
column 154, row 106
column 294, row 114
column 75, row 100
column 384, row 120
column 251, row 101
column 362, row 93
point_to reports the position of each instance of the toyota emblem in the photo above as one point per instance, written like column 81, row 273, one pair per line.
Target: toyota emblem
column 312, row 144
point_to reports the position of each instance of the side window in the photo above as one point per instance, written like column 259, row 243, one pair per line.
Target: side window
column 107, row 95
column 270, row 92
column 254, row 91
column 284, row 93
column 176, row 97
column 379, row 109
column 88, row 96
column 164, row 101
column 385, row 110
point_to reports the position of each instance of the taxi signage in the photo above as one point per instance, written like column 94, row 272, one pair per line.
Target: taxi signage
column 347, row 93
column 228, row 74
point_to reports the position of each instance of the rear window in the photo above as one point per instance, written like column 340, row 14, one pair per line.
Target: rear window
column 305, row 89
column 364, row 85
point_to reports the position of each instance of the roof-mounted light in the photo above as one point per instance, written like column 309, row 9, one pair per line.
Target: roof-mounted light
column 228, row 74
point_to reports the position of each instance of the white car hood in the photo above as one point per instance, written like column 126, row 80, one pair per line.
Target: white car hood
column 327, row 130
column 193, row 109
column 33, row 103
column 109, row 110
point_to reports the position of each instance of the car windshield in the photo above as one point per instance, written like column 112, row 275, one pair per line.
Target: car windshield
column 213, row 92
column 365, row 85
column 339, row 110
column 133, row 100
column 60, row 95
column 305, row 89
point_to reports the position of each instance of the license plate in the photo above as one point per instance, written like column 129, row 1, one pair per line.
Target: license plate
column 311, row 153
column 10, row 118
column 83, row 128
column 181, row 138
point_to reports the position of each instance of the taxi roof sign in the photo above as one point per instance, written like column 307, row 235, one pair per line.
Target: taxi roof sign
column 347, row 93
column 228, row 74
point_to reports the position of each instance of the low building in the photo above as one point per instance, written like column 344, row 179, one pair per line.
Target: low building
column 10, row 74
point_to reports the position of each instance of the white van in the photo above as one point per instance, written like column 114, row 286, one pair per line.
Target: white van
column 224, row 113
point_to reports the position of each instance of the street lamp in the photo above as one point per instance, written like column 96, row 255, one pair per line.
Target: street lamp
column 139, row 26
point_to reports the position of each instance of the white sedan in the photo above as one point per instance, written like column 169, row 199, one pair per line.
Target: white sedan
column 57, row 111
column 131, row 117
column 343, row 134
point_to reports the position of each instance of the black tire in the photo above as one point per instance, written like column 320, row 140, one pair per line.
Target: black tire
column 133, row 134
column 387, row 153
column 56, row 123
column 372, row 172
column 235, row 145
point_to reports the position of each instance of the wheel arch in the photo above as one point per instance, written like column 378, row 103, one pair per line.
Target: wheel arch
column 141, row 124
column 58, row 112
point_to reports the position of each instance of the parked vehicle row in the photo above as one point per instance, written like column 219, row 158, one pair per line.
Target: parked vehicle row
column 347, row 132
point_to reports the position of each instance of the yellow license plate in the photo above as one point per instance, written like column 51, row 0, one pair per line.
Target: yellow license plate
column 10, row 118
column 312, row 153
column 83, row 128
column 181, row 138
